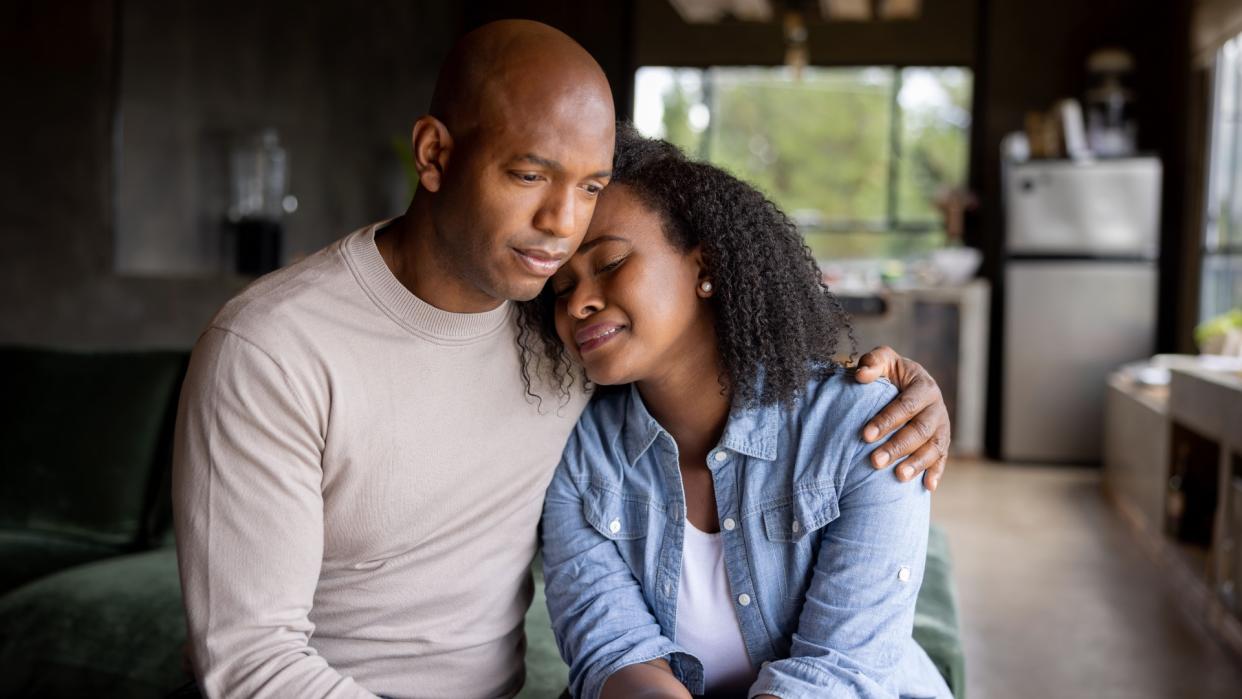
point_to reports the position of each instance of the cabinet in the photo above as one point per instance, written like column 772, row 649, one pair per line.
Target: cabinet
column 1173, row 465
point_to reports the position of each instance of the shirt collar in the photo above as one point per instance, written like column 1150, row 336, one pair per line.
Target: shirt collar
column 749, row 431
column 639, row 430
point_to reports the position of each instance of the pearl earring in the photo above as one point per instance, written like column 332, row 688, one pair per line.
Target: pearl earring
column 706, row 287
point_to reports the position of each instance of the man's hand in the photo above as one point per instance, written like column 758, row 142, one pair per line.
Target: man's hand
column 919, row 406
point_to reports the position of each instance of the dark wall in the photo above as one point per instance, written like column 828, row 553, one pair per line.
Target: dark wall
column 341, row 82
column 55, row 203
column 339, row 79
column 116, row 117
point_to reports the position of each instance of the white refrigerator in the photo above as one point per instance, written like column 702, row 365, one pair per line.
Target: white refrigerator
column 1080, row 285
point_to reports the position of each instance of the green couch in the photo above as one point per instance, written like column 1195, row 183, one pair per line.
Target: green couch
column 90, row 603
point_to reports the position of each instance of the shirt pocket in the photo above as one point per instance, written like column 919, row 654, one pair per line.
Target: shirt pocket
column 792, row 524
column 614, row 515
column 624, row 521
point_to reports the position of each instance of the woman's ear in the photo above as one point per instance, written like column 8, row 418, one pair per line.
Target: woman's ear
column 706, row 286
column 432, row 144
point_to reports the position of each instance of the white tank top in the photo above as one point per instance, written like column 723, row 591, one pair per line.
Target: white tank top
column 706, row 622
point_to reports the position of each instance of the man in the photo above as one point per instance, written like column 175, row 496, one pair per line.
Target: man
column 356, row 457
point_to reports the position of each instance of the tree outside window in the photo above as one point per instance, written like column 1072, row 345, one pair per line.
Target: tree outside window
column 857, row 156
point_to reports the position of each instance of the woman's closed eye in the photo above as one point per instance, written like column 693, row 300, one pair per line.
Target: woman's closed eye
column 563, row 290
column 608, row 267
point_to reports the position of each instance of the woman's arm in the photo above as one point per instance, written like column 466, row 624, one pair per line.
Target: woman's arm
column 858, row 614
column 602, row 623
column 650, row 680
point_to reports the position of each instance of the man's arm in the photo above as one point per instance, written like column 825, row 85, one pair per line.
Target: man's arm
column 249, row 519
column 919, row 406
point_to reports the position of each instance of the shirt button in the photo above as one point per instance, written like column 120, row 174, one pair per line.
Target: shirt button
column 614, row 526
column 903, row 574
column 796, row 526
column 721, row 456
column 743, row 599
column 728, row 524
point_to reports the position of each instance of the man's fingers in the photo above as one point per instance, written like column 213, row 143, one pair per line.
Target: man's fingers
column 918, row 434
column 867, row 374
column 925, row 458
column 910, row 402
column 931, row 478
column 880, row 361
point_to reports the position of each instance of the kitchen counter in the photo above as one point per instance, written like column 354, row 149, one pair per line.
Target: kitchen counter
column 944, row 328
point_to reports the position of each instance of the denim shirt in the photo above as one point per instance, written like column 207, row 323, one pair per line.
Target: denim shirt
column 824, row 554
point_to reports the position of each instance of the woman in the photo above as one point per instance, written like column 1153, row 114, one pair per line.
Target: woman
column 714, row 526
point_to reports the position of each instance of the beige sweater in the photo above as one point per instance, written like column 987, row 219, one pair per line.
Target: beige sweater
column 357, row 484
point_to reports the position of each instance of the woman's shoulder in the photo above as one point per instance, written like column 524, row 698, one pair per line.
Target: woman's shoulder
column 597, row 431
column 822, row 428
column 838, row 397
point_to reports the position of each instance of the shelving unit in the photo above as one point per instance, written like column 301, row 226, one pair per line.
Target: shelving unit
column 1173, row 466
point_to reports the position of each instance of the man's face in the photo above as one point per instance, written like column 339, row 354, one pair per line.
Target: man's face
column 519, row 191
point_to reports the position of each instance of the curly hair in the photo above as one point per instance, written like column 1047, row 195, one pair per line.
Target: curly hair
column 777, row 325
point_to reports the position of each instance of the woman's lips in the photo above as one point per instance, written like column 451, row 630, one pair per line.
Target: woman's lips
column 540, row 262
column 593, row 336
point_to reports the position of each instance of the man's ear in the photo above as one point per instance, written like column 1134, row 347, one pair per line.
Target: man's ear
column 432, row 145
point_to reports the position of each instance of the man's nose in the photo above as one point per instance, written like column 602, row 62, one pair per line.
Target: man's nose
column 556, row 216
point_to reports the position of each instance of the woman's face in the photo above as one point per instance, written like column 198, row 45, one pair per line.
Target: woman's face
column 628, row 303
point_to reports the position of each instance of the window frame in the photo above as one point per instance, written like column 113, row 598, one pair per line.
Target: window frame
column 1214, row 252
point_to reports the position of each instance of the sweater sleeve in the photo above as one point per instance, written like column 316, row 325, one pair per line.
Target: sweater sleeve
column 249, row 522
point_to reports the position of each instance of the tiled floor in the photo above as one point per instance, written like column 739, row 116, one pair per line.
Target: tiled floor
column 1057, row 600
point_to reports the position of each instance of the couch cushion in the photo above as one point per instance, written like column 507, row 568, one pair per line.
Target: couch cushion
column 26, row 556
column 87, row 441
column 114, row 628
column 935, row 615
column 546, row 674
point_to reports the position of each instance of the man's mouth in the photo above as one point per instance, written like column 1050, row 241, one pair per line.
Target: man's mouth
column 541, row 262
column 593, row 336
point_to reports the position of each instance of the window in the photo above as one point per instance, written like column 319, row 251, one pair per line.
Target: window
column 1222, row 232
column 857, row 156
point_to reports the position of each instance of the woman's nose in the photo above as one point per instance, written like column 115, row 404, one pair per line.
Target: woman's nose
column 585, row 300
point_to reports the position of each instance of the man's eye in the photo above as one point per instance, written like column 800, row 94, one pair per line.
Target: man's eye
column 527, row 177
column 593, row 189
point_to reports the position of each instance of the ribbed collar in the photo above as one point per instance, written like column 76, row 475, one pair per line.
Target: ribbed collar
column 413, row 313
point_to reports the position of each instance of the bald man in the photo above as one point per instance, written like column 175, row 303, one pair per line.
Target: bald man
column 358, row 473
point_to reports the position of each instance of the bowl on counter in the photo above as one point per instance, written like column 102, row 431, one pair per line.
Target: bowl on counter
column 956, row 265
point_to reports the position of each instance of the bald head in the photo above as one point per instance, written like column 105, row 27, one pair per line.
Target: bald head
column 510, row 161
column 517, row 69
